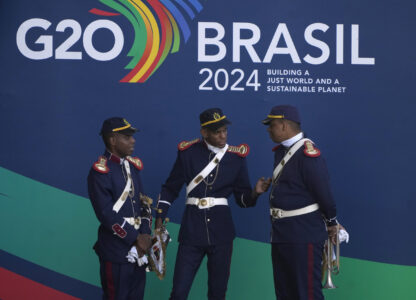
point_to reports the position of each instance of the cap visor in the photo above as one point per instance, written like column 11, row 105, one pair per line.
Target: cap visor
column 266, row 121
column 129, row 131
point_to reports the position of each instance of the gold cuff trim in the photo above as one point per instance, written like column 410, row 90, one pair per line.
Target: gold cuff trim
column 213, row 121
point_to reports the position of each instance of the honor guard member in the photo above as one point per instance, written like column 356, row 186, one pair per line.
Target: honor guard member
column 303, row 212
column 212, row 171
column 114, row 188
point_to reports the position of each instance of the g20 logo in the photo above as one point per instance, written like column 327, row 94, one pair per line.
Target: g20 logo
column 62, row 52
column 158, row 27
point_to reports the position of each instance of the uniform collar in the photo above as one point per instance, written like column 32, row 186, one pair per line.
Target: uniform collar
column 213, row 148
column 113, row 157
column 289, row 142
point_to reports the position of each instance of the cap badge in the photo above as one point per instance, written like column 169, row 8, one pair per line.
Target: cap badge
column 216, row 116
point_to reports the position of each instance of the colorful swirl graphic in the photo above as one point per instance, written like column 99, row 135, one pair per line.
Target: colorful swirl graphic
column 157, row 26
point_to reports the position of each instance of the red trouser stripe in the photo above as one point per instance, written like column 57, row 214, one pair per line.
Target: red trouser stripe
column 110, row 283
column 310, row 271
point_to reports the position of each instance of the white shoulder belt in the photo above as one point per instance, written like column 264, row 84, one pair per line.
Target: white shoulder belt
column 287, row 157
column 204, row 173
column 119, row 203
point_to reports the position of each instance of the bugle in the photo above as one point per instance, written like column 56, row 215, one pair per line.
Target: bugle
column 330, row 265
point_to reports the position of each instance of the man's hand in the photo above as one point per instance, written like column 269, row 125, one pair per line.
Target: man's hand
column 262, row 185
column 143, row 243
column 332, row 232
column 158, row 223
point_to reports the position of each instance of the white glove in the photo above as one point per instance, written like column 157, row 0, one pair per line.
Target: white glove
column 343, row 236
column 133, row 256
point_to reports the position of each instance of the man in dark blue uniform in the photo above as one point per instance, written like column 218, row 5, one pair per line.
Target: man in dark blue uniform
column 115, row 190
column 212, row 171
column 303, row 212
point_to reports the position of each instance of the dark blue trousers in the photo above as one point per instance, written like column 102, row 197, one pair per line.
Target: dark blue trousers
column 122, row 281
column 189, row 259
column 297, row 271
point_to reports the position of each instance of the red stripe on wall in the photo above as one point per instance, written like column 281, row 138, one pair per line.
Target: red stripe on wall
column 310, row 271
column 100, row 12
column 17, row 287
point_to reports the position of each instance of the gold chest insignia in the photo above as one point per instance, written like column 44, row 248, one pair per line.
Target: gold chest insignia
column 241, row 150
column 310, row 150
column 186, row 144
column 135, row 162
column 146, row 199
column 101, row 165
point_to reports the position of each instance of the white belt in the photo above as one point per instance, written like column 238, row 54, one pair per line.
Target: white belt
column 206, row 202
column 278, row 213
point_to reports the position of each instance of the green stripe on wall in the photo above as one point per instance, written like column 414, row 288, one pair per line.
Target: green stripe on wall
column 56, row 230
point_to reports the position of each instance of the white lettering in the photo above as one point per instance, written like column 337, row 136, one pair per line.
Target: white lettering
column 246, row 43
column 317, row 43
column 118, row 40
column 355, row 57
column 45, row 40
column 203, row 41
column 290, row 49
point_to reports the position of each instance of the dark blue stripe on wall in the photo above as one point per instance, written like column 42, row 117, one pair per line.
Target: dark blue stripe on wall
column 49, row 278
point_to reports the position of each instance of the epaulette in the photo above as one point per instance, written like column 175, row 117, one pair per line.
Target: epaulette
column 275, row 148
column 136, row 162
column 310, row 150
column 241, row 150
column 186, row 144
column 101, row 165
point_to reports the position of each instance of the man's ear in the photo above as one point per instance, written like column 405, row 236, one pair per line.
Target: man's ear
column 204, row 133
column 285, row 125
column 112, row 140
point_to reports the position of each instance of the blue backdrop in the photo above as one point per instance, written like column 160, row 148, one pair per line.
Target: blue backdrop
column 348, row 66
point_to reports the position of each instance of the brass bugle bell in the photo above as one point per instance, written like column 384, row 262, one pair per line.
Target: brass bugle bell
column 329, row 266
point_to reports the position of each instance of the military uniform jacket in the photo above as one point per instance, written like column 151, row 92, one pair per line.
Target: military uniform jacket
column 211, row 226
column 303, row 181
column 106, row 182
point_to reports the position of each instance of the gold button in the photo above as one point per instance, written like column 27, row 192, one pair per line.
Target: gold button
column 203, row 202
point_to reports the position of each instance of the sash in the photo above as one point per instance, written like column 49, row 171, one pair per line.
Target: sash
column 204, row 173
column 287, row 157
column 120, row 202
